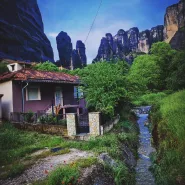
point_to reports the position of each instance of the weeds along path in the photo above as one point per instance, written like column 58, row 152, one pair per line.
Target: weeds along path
column 143, row 175
column 40, row 170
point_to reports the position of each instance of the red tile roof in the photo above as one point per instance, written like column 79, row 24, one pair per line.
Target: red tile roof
column 39, row 76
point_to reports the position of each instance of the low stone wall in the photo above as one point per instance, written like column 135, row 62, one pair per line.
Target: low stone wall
column 42, row 128
column 109, row 125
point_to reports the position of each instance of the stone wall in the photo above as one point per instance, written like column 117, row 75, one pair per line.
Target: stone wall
column 42, row 128
column 109, row 125
column 71, row 124
column 94, row 123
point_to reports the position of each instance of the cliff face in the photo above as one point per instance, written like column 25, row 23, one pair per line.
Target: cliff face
column 64, row 47
column 174, row 24
column 21, row 32
column 70, row 58
column 125, row 43
column 79, row 58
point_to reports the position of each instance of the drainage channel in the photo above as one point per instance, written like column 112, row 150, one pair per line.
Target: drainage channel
column 143, row 174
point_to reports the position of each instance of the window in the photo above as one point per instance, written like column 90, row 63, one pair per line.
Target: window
column 13, row 67
column 78, row 92
column 33, row 93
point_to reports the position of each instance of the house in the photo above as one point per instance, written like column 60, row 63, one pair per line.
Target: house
column 26, row 90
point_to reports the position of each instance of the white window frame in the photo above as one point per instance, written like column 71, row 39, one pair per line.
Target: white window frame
column 27, row 91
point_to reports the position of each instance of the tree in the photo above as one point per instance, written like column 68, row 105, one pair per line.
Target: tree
column 104, row 86
column 3, row 68
column 145, row 73
column 176, row 79
column 165, row 54
column 46, row 66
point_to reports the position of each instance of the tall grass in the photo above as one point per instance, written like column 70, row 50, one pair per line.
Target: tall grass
column 15, row 144
column 169, row 166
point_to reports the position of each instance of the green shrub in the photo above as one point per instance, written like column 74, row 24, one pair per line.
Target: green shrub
column 150, row 99
column 52, row 119
column 29, row 117
column 63, row 175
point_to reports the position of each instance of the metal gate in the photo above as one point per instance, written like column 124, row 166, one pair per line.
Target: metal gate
column 83, row 123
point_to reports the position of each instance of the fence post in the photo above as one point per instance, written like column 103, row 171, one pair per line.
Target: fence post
column 94, row 123
column 71, row 124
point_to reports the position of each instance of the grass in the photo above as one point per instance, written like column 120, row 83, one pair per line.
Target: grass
column 169, row 121
column 16, row 145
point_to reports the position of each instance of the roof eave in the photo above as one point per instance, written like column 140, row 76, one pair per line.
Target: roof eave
column 48, row 81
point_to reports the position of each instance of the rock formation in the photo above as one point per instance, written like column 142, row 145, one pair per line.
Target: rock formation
column 78, row 56
column 174, row 25
column 144, row 41
column 22, row 33
column 64, row 46
column 70, row 58
column 126, row 43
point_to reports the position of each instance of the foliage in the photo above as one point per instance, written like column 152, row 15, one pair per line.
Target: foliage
column 165, row 55
column 63, row 175
column 145, row 73
column 176, row 79
column 69, row 174
column 149, row 99
column 169, row 165
column 104, row 85
column 3, row 68
column 29, row 117
column 52, row 119
column 46, row 66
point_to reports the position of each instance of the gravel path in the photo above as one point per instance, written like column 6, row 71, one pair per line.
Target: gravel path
column 39, row 171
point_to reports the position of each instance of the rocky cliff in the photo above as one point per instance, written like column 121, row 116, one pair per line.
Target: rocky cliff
column 125, row 43
column 174, row 25
column 70, row 58
column 22, row 33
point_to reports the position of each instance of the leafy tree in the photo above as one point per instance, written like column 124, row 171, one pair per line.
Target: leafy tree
column 165, row 54
column 145, row 73
column 3, row 68
column 176, row 79
column 104, row 86
column 46, row 66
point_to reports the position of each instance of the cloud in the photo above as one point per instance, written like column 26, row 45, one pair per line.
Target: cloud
column 52, row 34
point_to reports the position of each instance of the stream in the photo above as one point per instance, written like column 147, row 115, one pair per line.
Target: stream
column 143, row 175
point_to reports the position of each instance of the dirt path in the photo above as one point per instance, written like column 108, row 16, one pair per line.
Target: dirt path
column 39, row 171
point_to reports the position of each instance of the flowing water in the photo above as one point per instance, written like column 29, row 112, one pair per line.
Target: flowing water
column 143, row 175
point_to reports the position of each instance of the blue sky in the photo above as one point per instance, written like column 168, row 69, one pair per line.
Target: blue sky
column 75, row 17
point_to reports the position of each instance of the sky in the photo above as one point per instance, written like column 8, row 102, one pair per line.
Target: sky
column 76, row 16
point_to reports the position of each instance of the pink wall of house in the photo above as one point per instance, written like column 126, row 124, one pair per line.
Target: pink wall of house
column 47, row 94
